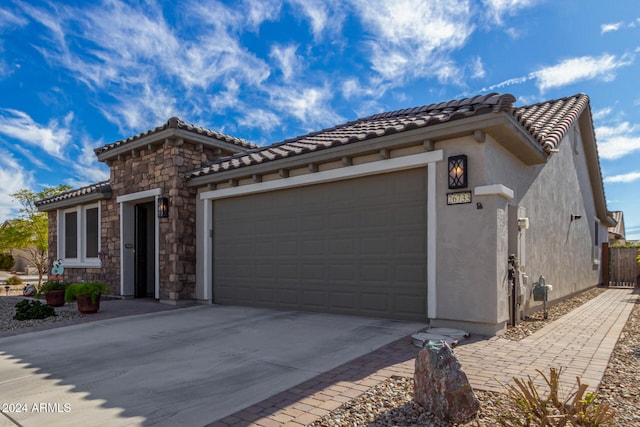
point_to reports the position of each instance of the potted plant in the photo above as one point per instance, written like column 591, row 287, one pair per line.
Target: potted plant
column 53, row 291
column 87, row 294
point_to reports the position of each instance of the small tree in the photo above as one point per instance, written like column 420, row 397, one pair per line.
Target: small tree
column 30, row 230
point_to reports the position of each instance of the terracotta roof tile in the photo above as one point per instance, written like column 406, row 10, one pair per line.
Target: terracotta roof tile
column 100, row 187
column 548, row 122
column 369, row 127
column 175, row 123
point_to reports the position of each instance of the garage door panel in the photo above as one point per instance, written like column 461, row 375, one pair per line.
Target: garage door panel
column 314, row 298
column 356, row 246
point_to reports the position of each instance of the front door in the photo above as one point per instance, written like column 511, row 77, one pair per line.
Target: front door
column 144, row 250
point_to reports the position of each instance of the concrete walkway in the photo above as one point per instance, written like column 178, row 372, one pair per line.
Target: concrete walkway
column 580, row 342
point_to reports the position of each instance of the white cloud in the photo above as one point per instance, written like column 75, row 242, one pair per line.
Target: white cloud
column 577, row 69
column 615, row 142
column 13, row 177
column 497, row 9
column 624, row 178
column 602, row 113
column 288, row 62
column 605, row 28
column 477, row 68
column 86, row 165
column 415, row 38
column 310, row 105
column 123, row 51
column 52, row 138
column 260, row 11
column 324, row 15
column 151, row 107
column 9, row 19
column 258, row 118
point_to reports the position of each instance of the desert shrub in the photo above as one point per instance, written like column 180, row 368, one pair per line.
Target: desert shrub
column 6, row 261
column 531, row 408
column 14, row 281
column 26, row 310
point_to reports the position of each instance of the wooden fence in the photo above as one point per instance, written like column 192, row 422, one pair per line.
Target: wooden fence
column 624, row 270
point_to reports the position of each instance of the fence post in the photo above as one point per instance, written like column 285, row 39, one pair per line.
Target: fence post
column 604, row 266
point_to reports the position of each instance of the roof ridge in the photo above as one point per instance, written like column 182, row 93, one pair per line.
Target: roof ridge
column 176, row 123
column 367, row 127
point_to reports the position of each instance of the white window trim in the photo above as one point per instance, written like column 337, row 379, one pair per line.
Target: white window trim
column 81, row 260
column 597, row 242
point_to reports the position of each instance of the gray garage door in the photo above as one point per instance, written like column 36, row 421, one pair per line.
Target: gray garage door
column 356, row 246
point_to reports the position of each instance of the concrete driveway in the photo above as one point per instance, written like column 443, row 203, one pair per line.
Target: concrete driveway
column 185, row 367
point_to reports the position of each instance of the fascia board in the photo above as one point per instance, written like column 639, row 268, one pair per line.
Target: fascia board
column 75, row 201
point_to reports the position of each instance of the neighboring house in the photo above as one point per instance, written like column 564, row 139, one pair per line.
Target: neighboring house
column 409, row 214
column 617, row 233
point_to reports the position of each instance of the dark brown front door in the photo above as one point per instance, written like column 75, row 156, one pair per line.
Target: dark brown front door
column 144, row 250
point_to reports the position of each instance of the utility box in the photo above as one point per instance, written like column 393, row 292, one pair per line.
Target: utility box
column 540, row 290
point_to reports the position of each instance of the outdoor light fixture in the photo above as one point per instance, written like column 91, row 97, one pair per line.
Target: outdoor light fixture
column 458, row 171
column 163, row 207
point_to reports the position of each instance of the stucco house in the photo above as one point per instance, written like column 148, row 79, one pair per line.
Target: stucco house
column 408, row 214
column 617, row 232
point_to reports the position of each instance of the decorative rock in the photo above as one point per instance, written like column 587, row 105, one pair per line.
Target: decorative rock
column 440, row 385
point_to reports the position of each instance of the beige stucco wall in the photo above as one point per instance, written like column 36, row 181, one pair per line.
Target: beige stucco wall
column 473, row 242
column 556, row 247
column 471, row 247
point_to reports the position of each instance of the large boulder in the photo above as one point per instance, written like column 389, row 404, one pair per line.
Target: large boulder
column 441, row 386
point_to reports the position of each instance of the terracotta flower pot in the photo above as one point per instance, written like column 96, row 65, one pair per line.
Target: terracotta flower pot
column 55, row 298
column 85, row 306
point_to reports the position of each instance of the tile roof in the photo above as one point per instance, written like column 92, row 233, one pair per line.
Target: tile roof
column 362, row 129
column 618, row 229
column 549, row 121
column 100, row 187
column 176, row 123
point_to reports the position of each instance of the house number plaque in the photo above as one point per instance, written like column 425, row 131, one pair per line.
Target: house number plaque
column 459, row 198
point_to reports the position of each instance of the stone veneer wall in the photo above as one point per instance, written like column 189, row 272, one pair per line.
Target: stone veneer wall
column 164, row 168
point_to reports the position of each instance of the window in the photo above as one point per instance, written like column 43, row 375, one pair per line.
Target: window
column 79, row 235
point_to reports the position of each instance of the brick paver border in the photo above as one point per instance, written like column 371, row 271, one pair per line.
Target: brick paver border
column 582, row 342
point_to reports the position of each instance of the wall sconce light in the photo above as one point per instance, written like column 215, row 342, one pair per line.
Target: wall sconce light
column 163, row 207
column 458, row 171
column 574, row 217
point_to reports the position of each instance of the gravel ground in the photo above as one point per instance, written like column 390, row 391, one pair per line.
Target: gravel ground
column 390, row 403
column 7, row 311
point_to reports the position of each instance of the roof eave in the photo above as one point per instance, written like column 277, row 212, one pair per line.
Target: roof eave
column 170, row 134
column 501, row 126
column 593, row 166
column 74, row 201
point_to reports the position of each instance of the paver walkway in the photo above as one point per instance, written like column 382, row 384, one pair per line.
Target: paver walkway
column 581, row 342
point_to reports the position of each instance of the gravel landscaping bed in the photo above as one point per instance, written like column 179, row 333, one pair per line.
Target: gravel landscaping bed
column 390, row 403
column 7, row 311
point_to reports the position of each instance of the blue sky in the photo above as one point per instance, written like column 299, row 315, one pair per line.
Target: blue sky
column 77, row 75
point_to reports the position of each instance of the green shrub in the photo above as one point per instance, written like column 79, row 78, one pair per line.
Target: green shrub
column 85, row 288
column 26, row 310
column 52, row 285
column 6, row 261
column 14, row 281
column 533, row 409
